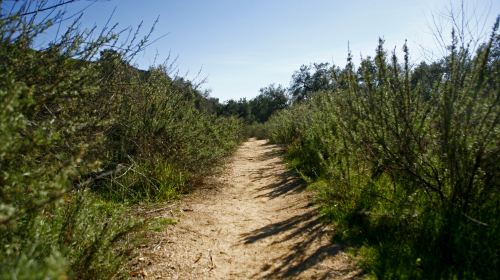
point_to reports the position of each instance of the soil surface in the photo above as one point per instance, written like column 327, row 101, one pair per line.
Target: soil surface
column 254, row 221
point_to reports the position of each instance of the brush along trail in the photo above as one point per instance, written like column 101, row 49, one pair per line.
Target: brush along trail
column 255, row 221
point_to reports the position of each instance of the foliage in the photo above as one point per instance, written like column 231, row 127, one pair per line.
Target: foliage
column 83, row 132
column 405, row 161
column 258, row 110
column 312, row 78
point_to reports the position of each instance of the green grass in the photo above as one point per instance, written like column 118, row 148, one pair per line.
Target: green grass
column 159, row 224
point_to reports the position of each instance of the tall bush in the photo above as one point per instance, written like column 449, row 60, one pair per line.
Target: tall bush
column 83, row 134
column 407, row 164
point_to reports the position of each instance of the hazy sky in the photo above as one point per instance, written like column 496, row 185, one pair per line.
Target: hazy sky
column 245, row 45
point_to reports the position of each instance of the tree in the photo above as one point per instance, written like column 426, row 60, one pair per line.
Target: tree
column 271, row 99
column 310, row 79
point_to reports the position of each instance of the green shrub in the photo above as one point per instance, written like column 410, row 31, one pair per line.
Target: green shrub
column 83, row 135
column 407, row 161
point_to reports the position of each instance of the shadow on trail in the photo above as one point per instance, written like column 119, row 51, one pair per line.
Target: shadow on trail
column 278, row 228
column 270, row 154
column 311, row 243
column 287, row 181
column 307, row 229
column 288, row 184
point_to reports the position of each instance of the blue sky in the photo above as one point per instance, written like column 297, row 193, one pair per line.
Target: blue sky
column 243, row 45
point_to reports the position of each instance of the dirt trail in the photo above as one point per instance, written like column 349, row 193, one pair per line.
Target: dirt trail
column 253, row 222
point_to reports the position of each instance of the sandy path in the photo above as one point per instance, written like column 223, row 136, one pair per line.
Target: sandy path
column 253, row 222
